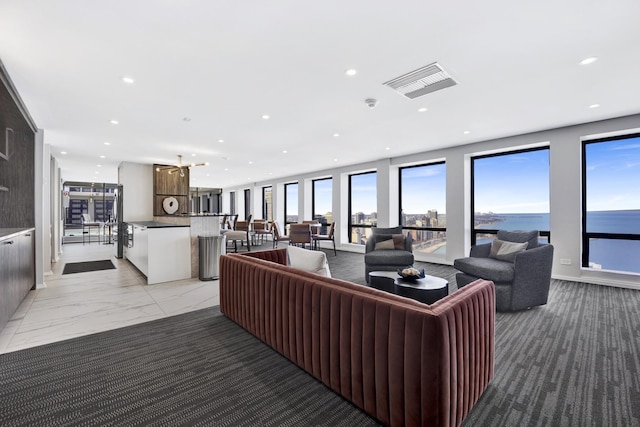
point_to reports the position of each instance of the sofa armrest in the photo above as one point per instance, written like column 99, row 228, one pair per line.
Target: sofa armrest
column 480, row 251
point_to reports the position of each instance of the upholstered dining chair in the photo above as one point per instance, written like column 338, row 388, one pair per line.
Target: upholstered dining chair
column 260, row 230
column 277, row 236
column 300, row 235
column 241, row 233
column 317, row 238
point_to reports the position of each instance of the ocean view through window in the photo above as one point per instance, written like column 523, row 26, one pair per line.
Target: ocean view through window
column 510, row 191
column 611, row 204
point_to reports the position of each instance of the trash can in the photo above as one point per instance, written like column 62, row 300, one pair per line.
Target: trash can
column 209, row 250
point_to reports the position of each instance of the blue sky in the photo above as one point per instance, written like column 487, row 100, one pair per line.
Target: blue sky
column 613, row 175
column 512, row 183
column 292, row 199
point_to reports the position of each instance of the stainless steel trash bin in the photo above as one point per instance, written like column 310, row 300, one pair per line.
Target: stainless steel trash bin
column 209, row 250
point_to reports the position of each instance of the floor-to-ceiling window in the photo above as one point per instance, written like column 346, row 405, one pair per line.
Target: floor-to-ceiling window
column 510, row 191
column 290, row 203
column 423, row 198
column 363, row 206
column 611, row 203
column 247, row 203
column 322, row 193
column 267, row 203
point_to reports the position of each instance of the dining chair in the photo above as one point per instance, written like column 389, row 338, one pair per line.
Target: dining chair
column 326, row 237
column 300, row 235
column 277, row 237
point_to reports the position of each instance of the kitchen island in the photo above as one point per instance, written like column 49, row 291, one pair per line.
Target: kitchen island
column 161, row 251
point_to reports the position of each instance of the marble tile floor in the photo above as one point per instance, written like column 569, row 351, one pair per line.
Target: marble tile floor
column 74, row 305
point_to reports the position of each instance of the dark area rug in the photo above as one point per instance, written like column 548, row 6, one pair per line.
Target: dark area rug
column 84, row 267
column 198, row 368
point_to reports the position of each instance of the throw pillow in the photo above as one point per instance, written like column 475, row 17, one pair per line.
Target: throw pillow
column 506, row 251
column 304, row 259
column 385, row 244
column 398, row 241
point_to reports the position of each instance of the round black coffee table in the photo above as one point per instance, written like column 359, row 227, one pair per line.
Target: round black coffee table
column 427, row 290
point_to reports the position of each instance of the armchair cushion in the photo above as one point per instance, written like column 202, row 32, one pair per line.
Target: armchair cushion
column 384, row 244
column 388, row 257
column 397, row 241
column 486, row 268
column 519, row 236
column 506, row 251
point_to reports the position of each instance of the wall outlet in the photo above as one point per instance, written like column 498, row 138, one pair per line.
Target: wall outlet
column 565, row 261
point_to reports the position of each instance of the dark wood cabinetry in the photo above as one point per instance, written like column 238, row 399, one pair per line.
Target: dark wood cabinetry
column 17, row 272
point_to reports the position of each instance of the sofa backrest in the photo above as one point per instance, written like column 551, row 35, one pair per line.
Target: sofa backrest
column 399, row 360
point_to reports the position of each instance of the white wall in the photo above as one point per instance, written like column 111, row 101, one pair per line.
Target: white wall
column 565, row 193
column 137, row 185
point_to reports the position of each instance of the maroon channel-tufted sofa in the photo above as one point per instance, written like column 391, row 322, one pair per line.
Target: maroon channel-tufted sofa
column 401, row 361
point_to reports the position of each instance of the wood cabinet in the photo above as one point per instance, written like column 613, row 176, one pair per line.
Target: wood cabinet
column 17, row 271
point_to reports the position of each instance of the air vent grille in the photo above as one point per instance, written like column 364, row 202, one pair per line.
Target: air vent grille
column 422, row 81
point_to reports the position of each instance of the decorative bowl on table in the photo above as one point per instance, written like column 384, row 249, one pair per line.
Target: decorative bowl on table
column 411, row 273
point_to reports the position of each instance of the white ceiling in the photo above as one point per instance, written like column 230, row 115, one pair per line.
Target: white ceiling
column 224, row 64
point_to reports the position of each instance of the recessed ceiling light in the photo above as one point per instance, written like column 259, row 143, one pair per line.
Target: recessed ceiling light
column 107, row 143
column 63, row 152
column 594, row 105
column 102, row 157
column 128, row 80
column 226, row 169
column 266, row 117
column 351, row 72
column 589, row 60
column 250, row 162
column 114, row 122
column 193, row 154
column 97, row 172
column 207, row 174
column 221, row 141
column 270, row 173
column 467, row 132
column 284, row 151
column 98, row 166
column 387, row 148
column 422, row 110
column 335, row 135
column 335, row 160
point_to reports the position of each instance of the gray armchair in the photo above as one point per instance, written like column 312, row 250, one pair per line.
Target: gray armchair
column 521, row 278
column 387, row 259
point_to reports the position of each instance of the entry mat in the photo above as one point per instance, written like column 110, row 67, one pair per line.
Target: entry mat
column 84, row 267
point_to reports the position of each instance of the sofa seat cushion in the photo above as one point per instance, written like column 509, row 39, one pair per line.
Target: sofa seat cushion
column 486, row 268
column 389, row 257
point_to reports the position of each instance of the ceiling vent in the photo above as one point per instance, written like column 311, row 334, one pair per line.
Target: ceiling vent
column 422, row 81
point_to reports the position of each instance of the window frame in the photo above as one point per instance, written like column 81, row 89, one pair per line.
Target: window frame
column 314, row 214
column 475, row 232
column 437, row 229
column 286, row 185
column 586, row 236
column 350, row 224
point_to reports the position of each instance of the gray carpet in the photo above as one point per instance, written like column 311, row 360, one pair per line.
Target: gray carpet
column 573, row 362
column 197, row 368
